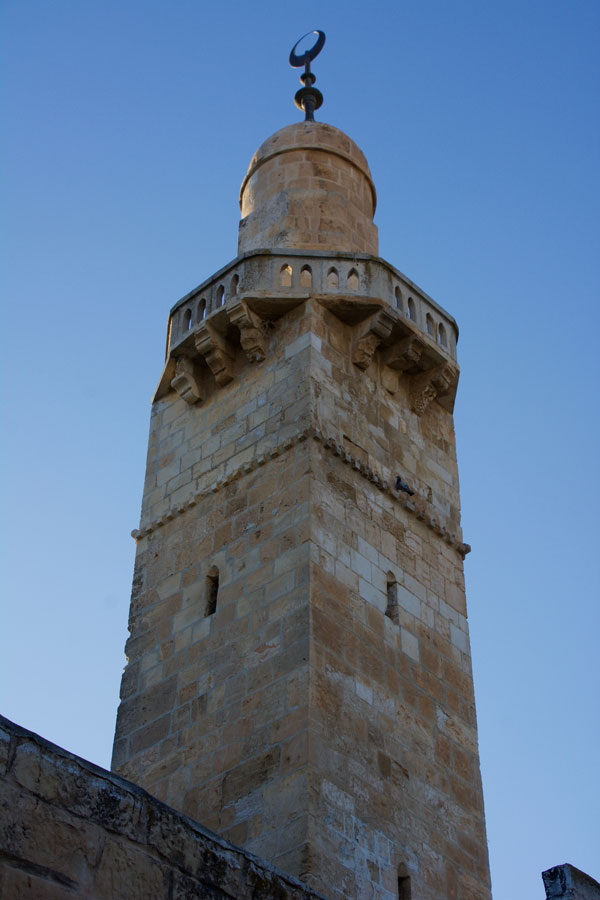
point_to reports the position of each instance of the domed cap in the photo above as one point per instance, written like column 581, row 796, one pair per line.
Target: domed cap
column 308, row 187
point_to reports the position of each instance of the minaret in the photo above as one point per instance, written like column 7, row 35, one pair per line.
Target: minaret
column 299, row 673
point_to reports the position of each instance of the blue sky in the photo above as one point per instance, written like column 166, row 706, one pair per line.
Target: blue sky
column 128, row 129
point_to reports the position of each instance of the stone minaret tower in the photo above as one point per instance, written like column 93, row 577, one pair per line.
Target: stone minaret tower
column 299, row 676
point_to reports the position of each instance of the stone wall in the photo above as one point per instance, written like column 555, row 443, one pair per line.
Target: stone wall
column 214, row 712
column 302, row 718
column 568, row 883
column 71, row 829
column 393, row 728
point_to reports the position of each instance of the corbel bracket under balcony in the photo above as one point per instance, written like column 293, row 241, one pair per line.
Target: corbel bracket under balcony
column 350, row 310
column 438, row 383
column 253, row 331
column 217, row 351
column 406, row 353
column 272, row 305
column 371, row 335
column 187, row 381
column 247, row 319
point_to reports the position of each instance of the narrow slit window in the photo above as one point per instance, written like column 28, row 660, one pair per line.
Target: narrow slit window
column 442, row 339
column 430, row 325
column 285, row 276
column 187, row 319
column 412, row 310
column 404, row 889
column 332, row 279
column 202, row 310
column 220, row 295
column 235, row 283
column 404, row 892
column 391, row 609
column 352, row 280
column 398, row 299
column 212, row 591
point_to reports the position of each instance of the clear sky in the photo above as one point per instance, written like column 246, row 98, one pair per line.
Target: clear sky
column 128, row 128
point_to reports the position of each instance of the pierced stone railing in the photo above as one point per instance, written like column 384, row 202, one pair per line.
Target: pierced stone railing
column 342, row 276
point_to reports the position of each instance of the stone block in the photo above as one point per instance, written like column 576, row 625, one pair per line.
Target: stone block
column 19, row 884
column 459, row 639
column 248, row 776
column 409, row 644
column 408, row 601
column 126, row 872
column 568, row 883
column 63, row 846
column 150, row 734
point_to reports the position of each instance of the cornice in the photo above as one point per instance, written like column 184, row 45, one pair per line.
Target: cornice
column 415, row 505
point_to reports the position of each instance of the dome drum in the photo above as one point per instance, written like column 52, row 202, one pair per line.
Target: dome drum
column 308, row 187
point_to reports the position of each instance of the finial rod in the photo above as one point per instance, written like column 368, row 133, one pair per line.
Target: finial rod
column 308, row 98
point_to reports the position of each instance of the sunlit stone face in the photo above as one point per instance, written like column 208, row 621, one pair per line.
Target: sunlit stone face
column 308, row 187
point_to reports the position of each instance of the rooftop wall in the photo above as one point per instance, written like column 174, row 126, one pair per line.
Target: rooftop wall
column 568, row 883
column 71, row 829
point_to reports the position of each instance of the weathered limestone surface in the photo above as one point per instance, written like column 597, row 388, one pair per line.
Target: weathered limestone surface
column 322, row 715
column 308, row 186
column 71, row 829
column 393, row 732
column 299, row 719
column 214, row 712
column 568, row 883
column 271, row 282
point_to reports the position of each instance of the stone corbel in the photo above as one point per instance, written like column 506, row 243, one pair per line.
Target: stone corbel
column 186, row 381
column 376, row 330
column 253, row 331
column 218, row 353
column 434, row 384
column 404, row 355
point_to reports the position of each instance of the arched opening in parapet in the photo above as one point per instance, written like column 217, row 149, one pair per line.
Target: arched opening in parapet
column 391, row 609
column 201, row 309
column 212, row 591
column 306, row 276
column 220, row 295
column 398, row 299
column 285, row 276
column 442, row 338
column 352, row 282
column 187, row 319
column 235, row 283
column 404, row 889
column 430, row 325
column 412, row 309
column 332, row 279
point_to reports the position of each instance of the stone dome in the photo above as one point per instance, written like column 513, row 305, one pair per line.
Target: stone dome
column 308, row 187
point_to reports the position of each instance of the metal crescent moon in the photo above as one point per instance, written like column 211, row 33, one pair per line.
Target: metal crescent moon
column 298, row 61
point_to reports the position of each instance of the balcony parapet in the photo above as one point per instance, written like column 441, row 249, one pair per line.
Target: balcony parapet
column 387, row 314
column 345, row 276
